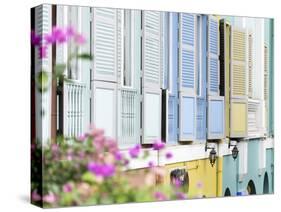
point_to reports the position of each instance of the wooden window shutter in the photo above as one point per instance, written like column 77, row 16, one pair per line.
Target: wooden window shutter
column 187, row 76
column 238, row 72
column 213, row 56
column 250, row 65
column 151, row 69
column 105, row 44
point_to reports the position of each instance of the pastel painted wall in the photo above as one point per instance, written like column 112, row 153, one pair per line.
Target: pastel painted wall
column 229, row 179
column 253, row 168
column 203, row 178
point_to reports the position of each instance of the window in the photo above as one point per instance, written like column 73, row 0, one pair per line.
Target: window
column 198, row 55
column 73, row 21
column 127, row 76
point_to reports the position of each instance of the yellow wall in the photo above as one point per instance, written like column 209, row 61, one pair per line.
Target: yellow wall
column 200, row 172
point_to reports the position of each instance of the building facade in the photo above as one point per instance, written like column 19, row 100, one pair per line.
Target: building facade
column 200, row 83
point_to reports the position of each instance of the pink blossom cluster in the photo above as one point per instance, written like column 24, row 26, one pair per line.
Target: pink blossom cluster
column 58, row 35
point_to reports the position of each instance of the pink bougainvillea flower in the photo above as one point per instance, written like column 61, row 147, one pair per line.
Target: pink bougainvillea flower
column 69, row 31
column 49, row 38
column 104, row 170
column 50, row 198
column 158, row 145
column 169, row 155
column 67, row 188
column 35, row 196
column 160, row 196
column 43, row 52
column 176, row 182
column 151, row 164
column 135, row 151
column 35, row 39
column 82, row 138
column 118, row 156
column 181, row 195
column 79, row 39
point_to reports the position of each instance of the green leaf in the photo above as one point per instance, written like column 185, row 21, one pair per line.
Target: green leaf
column 42, row 81
column 84, row 56
column 59, row 69
column 88, row 177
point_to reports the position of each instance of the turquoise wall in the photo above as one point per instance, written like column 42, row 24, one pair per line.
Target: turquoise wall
column 270, row 168
column 253, row 170
column 229, row 179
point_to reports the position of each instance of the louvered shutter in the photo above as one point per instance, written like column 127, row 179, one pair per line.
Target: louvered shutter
column 225, row 69
column 104, row 95
column 238, row 65
column 253, row 117
column 173, row 78
column 215, row 102
column 187, row 61
column 201, row 102
column 250, row 65
column 128, row 96
column 151, row 64
column 43, row 25
column 239, row 106
column 213, row 56
column 266, row 84
column 105, row 44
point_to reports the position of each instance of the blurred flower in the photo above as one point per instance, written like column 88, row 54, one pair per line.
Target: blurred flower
column 176, row 182
column 70, row 31
column 134, row 152
column 104, row 170
column 82, row 137
column 35, row 196
column 118, row 156
column 169, row 155
column 158, row 145
column 50, row 198
column 67, row 188
column 79, row 39
column 43, row 52
column 151, row 164
column 109, row 158
column 35, row 39
column 160, row 196
column 181, row 195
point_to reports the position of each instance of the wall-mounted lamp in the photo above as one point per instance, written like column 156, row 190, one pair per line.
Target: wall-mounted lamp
column 234, row 151
column 212, row 155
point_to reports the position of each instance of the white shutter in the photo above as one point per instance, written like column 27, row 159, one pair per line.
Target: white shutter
column 151, row 63
column 250, row 65
column 187, row 76
column 43, row 25
column 105, row 44
column 213, row 56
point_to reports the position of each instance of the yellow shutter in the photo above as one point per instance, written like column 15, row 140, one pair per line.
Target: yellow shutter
column 250, row 64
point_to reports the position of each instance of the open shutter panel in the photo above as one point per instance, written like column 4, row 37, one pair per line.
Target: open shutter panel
column 43, row 25
column 215, row 102
column 213, row 56
column 266, row 84
column 187, row 87
column 225, row 70
column 250, row 65
column 104, row 86
column 105, row 44
column 173, row 78
column 239, row 104
column 151, row 76
column 238, row 75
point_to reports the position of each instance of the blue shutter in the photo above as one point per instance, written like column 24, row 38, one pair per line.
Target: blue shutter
column 173, row 79
column 187, row 61
column 201, row 79
column 213, row 56
column 216, row 117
